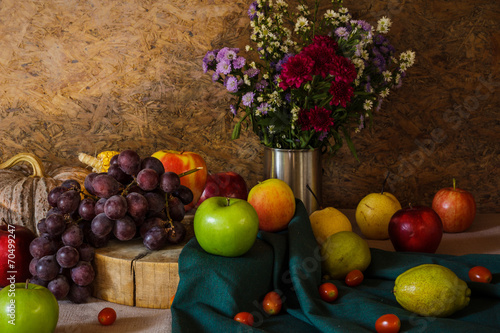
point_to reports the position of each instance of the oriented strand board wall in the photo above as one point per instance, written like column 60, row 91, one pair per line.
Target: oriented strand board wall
column 94, row 75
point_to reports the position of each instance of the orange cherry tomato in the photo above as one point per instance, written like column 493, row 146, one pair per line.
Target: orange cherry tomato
column 388, row 323
column 172, row 299
column 272, row 303
column 328, row 292
column 354, row 278
column 244, row 318
column 480, row 274
column 107, row 316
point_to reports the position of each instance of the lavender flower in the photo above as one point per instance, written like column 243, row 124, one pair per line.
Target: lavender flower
column 247, row 99
column 261, row 85
column 215, row 77
column 251, row 72
column 342, row 32
column 239, row 62
column 232, row 108
column 262, row 108
column 224, row 67
column 232, row 84
column 252, row 10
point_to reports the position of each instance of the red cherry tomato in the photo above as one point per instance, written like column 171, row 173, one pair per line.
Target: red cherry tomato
column 354, row 278
column 244, row 318
column 480, row 274
column 388, row 323
column 328, row 292
column 272, row 303
column 107, row 316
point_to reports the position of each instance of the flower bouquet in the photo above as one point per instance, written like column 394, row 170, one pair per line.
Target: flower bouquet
column 317, row 78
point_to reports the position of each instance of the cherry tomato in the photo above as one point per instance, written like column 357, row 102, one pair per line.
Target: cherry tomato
column 328, row 292
column 107, row 316
column 354, row 278
column 172, row 299
column 480, row 274
column 244, row 318
column 388, row 323
column 272, row 303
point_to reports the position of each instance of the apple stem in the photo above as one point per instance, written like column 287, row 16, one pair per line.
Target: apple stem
column 385, row 180
column 454, row 184
column 27, row 282
column 227, row 201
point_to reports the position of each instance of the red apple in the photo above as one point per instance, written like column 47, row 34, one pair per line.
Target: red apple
column 416, row 229
column 15, row 256
column 183, row 161
column 224, row 184
column 274, row 201
column 455, row 207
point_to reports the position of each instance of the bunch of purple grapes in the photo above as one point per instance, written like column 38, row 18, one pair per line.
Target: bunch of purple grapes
column 134, row 198
column 62, row 258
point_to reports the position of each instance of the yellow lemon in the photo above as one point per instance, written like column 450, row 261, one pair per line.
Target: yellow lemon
column 374, row 212
column 327, row 221
column 343, row 252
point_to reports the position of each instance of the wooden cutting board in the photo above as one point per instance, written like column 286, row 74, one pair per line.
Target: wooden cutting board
column 128, row 273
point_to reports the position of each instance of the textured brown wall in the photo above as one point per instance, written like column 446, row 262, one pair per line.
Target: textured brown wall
column 96, row 75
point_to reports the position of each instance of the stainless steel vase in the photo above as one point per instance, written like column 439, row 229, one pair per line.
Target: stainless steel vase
column 298, row 168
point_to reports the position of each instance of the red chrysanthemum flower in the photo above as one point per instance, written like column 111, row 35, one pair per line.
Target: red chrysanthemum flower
column 341, row 92
column 343, row 69
column 325, row 41
column 323, row 57
column 317, row 118
column 296, row 70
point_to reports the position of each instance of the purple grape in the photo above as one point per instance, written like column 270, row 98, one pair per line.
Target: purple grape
column 176, row 232
column 184, row 193
column 124, row 228
column 32, row 266
column 79, row 294
column 42, row 246
column 105, row 186
column 87, row 209
column 41, row 227
column 151, row 162
column 83, row 273
column 97, row 241
column 147, row 179
column 101, row 225
column 137, row 205
column 87, row 184
column 55, row 224
column 156, row 201
column 169, row 182
column 118, row 174
column 176, row 209
column 59, row 287
column 129, row 161
column 155, row 238
column 69, row 201
column 86, row 252
column 53, row 210
column 54, row 194
column 71, row 184
column 99, row 206
column 36, row 280
column 150, row 223
column 115, row 207
column 113, row 160
column 47, row 268
column 67, row 256
column 72, row 236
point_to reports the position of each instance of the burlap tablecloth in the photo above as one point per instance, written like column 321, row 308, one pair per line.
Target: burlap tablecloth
column 482, row 237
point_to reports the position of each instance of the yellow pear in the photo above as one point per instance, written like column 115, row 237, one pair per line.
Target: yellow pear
column 374, row 212
column 327, row 221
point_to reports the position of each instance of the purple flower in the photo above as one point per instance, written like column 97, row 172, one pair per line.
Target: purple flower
column 323, row 135
column 239, row 62
column 215, row 77
column 232, row 109
column 261, row 85
column 251, row 72
column 262, row 108
column 247, row 99
column 224, row 67
column 361, row 122
column 342, row 32
column 279, row 65
column 231, row 84
column 209, row 60
column 364, row 25
column 252, row 10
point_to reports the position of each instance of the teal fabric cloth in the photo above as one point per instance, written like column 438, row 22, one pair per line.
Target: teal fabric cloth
column 212, row 289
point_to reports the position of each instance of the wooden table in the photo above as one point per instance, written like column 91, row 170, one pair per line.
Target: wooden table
column 483, row 237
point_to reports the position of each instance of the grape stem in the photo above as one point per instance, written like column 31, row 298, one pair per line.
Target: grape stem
column 385, row 181
column 126, row 189
column 190, row 171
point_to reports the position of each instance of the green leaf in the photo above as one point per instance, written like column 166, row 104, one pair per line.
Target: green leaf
column 236, row 131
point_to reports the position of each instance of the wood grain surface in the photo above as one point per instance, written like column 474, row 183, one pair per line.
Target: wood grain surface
column 110, row 75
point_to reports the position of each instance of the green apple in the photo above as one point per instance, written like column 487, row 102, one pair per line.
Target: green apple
column 226, row 226
column 27, row 308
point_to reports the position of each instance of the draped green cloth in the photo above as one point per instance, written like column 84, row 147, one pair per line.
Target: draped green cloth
column 212, row 289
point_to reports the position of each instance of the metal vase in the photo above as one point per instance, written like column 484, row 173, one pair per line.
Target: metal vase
column 298, row 168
